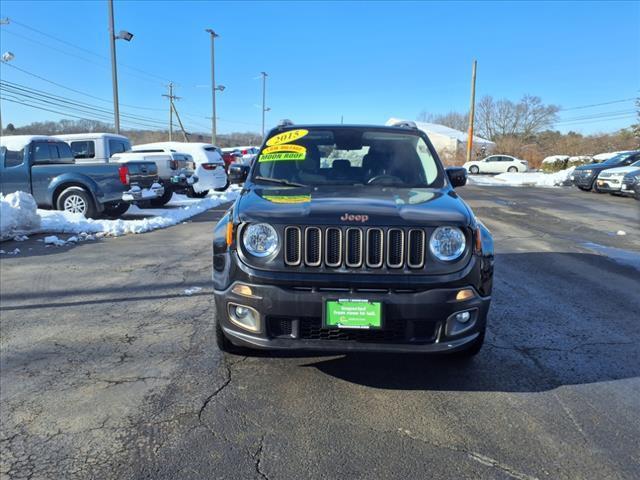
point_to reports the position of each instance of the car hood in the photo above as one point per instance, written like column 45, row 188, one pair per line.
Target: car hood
column 621, row 170
column 353, row 205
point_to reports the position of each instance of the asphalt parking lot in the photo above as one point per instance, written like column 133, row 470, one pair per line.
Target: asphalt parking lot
column 109, row 370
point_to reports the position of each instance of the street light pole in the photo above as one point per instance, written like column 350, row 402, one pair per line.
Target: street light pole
column 472, row 108
column 114, row 71
column 264, row 95
column 213, row 85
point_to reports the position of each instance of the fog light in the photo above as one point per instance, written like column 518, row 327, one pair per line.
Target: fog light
column 465, row 294
column 245, row 317
column 463, row 317
column 461, row 322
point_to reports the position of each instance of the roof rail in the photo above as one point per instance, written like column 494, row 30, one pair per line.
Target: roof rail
column 405, row 124
column 285, row 122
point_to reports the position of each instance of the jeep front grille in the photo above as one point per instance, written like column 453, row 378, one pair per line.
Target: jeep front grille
column 354, row 247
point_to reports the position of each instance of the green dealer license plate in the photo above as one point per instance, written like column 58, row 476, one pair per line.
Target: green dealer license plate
column 353, row 313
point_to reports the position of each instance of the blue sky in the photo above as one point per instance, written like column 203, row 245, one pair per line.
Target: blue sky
column 365, row 61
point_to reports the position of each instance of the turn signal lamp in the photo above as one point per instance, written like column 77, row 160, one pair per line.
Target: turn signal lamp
column 466, row 294
column 229, row 235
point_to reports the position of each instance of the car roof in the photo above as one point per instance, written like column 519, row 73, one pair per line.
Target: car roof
column 18, row 142
column 68, row 136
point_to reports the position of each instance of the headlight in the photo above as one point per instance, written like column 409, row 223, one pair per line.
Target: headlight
column 447, row 243
column 260, row 239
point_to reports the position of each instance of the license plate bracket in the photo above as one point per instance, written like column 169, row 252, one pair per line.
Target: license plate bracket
column 353, row 313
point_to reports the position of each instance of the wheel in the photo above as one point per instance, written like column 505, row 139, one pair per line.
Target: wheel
column 225, row 345
column 76, row 200
column 473, row 349
column 584, row 189
column 115, row 210
column 474, row 170
column 164, row 199
column 512, row 169
column 595, row 188
column 222, row 189
column 191, row 193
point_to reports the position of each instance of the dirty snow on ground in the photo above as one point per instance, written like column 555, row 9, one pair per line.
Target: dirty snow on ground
column 524, row 179
column 18, row 215
column 26, row 220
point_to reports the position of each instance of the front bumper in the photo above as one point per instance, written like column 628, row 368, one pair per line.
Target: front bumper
column 584, row 181
column 609, row 184
column 136, row 193
column 414, row 321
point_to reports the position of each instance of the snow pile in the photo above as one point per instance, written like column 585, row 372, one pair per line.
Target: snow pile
column 525, row 179
column 555, row 163
column 64, row 222
column 18, row 214
column 579, row 160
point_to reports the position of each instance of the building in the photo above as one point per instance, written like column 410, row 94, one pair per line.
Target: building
column 449, row 142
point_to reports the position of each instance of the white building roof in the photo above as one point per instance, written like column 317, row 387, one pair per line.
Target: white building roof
column 434, row 128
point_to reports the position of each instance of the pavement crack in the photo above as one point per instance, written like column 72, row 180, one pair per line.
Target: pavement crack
column 478, row 457
column 226, row 382
column 258, row 458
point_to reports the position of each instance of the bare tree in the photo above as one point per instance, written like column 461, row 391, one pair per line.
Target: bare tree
column 503, row 117
column 457, row 120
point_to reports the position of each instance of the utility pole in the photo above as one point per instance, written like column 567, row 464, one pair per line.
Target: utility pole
column 114, row 70
column 213, row 85
column 184, row 132
column 264, row 99
column 171, row 98
column 472, row 109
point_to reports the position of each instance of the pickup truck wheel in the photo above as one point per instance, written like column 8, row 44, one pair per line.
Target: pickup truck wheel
column 474, row 170
column 76, row 200
column 164, row 199
column 116, row 210
column 222, row 189
column 191, row 193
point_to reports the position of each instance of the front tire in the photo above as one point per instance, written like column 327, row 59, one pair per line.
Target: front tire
column 473, row 349
column 474, row 170
column 225, row 345
column 164, row 199
column 116, row 210
column 76, row 200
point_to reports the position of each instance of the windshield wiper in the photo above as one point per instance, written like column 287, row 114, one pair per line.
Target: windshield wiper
column 279, row 181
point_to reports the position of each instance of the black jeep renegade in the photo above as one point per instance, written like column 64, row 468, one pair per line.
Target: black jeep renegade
column 350, row 238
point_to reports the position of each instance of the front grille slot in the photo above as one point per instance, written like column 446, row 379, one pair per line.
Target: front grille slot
column 395, row 248
column 415, row 249
column 313, row 246
column 353, row 247
column 292, row 246
column 385, row 248
column 333, row 251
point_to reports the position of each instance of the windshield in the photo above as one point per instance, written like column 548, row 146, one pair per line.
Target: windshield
column 617, row 159
column 347, row 156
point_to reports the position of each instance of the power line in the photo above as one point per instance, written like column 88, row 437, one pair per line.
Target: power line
column 77, row 91
column 597, row 116
column 597, row 104
column 17, row 88
column 65, row 42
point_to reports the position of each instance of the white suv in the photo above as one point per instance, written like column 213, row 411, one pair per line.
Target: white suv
column 497, row 164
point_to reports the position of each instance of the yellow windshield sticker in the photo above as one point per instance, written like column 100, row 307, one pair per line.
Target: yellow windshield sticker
column 281, row 156
column 285, row 148
column 288, row 198
column 287, row 137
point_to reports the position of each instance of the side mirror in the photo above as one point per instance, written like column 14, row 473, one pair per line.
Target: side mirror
column 238, row 173
column 457, row 176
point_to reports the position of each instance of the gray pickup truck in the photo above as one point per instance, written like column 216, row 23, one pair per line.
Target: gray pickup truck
column 44, row 167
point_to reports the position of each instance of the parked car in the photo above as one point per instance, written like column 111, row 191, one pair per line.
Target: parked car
column 496, row 164
column 631, row 184
column 210, row 168
column 248, row 153
column 231, row 156
column 95, row 147
column 610, row 180
column 372, row 251
column 584, row 177
column 44, row 167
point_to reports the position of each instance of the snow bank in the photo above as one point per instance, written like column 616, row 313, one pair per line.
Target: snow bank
column 18, row 214
column 579, row 160
column 525, row 179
